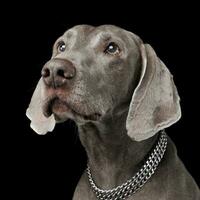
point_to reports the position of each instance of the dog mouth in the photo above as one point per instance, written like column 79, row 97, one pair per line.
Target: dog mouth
column 62, row 111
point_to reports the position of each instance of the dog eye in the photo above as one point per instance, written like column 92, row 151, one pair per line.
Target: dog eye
column 61, row 46
column 112, row 49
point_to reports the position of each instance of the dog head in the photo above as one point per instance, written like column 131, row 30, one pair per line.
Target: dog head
column 97, row 72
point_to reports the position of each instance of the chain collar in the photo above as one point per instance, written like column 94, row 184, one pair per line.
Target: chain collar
column 132, row 185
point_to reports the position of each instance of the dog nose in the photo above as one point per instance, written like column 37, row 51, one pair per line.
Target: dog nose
column 58, row 72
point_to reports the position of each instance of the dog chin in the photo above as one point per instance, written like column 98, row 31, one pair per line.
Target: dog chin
column 77, row 117
column 62, row 111
column 60, row 118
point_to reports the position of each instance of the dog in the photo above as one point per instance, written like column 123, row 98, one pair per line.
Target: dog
column 122, row 98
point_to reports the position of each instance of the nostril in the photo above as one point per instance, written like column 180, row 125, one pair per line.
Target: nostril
column 64, row 73
column 61, row 73
column 45, row 72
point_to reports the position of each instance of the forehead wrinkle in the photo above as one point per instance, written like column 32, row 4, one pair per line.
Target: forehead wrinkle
column 81, row 32
column 68, row 34
column 83, row 36
column 105, row 36
column 102, row 36
column 76, row 38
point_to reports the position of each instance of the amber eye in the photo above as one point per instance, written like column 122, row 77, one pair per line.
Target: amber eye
column 112, row 49
column 61, row 46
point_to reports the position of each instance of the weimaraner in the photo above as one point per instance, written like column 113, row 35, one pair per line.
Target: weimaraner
column 122, row 97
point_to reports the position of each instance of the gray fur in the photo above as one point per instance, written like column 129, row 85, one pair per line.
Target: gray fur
column 131, row 94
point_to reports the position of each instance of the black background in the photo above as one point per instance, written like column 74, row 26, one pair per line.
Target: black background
column 43, row 167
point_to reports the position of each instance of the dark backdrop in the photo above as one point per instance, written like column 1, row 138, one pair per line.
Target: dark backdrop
column 43, row 167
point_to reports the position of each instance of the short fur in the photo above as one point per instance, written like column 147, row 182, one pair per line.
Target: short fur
column 120, row 103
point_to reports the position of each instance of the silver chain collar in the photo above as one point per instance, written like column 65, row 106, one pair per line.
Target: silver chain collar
column 132, row 185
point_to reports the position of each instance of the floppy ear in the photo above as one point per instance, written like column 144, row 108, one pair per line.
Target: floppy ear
column 39, row 123
column 155, row 101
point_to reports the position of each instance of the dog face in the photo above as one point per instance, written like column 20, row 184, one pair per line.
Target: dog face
column 96, row 72
column 103, row 60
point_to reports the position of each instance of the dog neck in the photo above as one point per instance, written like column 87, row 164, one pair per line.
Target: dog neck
column 112, row 156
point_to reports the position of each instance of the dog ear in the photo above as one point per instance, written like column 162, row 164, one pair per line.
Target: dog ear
column 39, row 123
column 155, row 101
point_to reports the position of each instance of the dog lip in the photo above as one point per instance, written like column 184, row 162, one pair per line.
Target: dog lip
column 47, row 110
column 93, row 117
column 87, row 117
column 49, row 106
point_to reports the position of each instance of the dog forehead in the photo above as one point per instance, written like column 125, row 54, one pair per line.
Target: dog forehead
column 85, row 32
column 85, row 29
column 79, row 31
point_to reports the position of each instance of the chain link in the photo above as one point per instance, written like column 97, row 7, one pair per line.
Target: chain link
column 132, row 185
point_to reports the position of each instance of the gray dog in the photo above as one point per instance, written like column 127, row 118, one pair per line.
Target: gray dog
column 122, row 97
